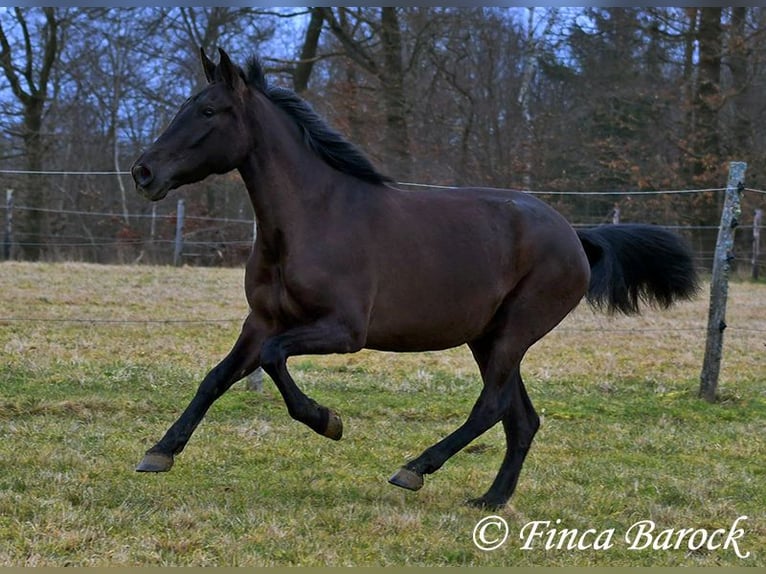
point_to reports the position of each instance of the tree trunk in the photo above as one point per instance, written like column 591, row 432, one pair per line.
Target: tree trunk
column 33, row 223
column 390, row 74
column 741, row 146
column 708, row 98
column 29, row 81
column 303, row 70
column 397, row 142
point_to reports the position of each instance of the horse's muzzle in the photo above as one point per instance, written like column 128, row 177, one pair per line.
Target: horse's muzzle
column 146, row 183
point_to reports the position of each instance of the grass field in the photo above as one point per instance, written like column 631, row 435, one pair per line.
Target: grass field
column 87, row 384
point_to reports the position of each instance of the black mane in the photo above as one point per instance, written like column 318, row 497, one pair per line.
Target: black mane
column 327, row 143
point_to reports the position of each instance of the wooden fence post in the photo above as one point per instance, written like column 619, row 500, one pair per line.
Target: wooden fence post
column 719, row 283
column 756, row 241
column 179, row 242
column 8, row 233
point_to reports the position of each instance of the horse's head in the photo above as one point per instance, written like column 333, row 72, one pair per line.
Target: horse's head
column 207, row 135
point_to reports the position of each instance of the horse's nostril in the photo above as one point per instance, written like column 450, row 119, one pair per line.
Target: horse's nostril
column 142, row 175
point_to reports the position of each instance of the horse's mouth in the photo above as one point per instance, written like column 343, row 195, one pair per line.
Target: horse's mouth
column 153, row 194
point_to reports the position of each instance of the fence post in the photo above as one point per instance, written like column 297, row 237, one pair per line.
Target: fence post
column 719, row 283
column 756, row 241
column 8, row 233
column 179, row 243
column 153, row 224
column 254, row 381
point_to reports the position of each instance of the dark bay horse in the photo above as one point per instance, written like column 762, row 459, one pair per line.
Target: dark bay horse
column 344, row 260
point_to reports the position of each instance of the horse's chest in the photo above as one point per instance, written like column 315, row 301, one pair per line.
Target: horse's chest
column 279, row 300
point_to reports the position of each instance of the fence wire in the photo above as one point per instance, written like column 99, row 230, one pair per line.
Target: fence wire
column 206, row 234
column 137, row 235
column 160, row 322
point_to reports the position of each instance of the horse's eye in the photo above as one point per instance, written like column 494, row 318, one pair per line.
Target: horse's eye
column 208, row 112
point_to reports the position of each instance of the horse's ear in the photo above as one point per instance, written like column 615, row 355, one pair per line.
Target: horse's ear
column 229, row 72
column 207, row 65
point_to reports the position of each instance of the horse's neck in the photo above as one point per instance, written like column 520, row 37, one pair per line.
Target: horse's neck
column 272, row 209
column 280, row 175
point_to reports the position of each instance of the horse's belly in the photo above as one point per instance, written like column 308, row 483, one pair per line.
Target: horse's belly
column 414, row 342
column 429, row 323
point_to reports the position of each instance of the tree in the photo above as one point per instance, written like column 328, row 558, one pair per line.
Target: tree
column 308, row 56
column 470, row 115
column 740, row 64
column 569, row 99
column 372, row 38
column 533, row 53
column 615, row 91
column 707, row 99
column 30, row 44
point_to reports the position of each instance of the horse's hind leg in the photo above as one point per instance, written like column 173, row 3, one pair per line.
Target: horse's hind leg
column 241, row 361
column 520, row 423
column 485, row 414
column 497, row 359
column 535, row 307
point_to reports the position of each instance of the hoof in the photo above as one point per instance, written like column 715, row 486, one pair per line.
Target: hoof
column 155, row 462
column 406, row 478
column 334, row 429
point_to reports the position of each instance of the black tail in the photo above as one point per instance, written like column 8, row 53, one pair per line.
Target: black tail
column 633, row 263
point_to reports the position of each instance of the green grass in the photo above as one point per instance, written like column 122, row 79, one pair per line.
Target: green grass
column 624, row 436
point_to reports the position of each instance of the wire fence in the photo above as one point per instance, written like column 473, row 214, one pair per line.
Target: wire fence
column 148, row 322
column 161, row 233
column 82, row 224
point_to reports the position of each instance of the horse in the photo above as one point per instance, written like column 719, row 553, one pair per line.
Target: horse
column 344, row 260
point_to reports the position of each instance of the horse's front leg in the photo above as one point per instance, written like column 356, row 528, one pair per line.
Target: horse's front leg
column 324, row 337
column 240, row 362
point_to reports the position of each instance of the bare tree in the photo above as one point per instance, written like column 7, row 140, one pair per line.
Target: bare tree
column 534, row 51
column 564, row 100
column 30, row 43
column 707, row 100
column 372, row 38
column 308, row 55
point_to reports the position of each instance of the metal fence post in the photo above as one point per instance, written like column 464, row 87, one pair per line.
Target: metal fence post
column 179, row 242
column 8, row 232
column 756, row 242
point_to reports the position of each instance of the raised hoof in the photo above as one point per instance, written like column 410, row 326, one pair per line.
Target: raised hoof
column 406, row 478
column 484, row 504
column 334, row 428
column 155, row 462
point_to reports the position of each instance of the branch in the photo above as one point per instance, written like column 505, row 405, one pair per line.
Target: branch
column 353, row 49
column 27, row 50
column 190, row 23
column 308, row 57
column 51, row 49
column 6, row 61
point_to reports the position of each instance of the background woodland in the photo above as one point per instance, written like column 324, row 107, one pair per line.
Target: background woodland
column 542, row 99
